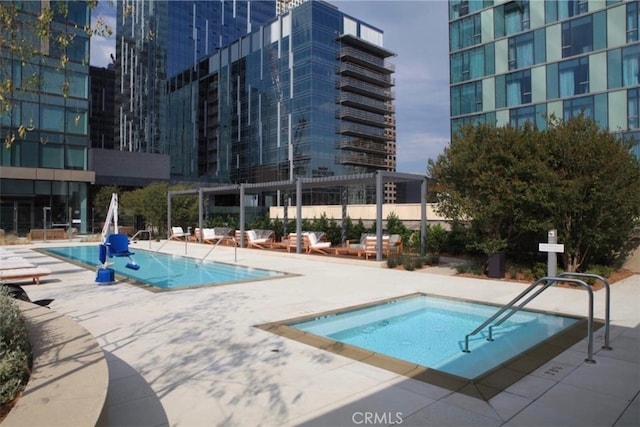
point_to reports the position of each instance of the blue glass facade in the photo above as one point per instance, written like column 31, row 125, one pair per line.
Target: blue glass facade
column 48, row 167
column 306, row 95
column 517, row 61
column 157, row 39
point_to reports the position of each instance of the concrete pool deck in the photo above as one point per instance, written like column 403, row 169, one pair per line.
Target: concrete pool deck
column 194, row 358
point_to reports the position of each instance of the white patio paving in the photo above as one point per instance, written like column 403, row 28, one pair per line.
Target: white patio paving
column 194, row 358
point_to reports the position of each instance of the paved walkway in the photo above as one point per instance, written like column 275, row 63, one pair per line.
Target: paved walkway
column 194, row 357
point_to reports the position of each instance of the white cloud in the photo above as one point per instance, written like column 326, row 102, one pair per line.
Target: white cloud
column 103, row 47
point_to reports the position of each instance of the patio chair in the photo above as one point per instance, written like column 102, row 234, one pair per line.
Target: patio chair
column 177, row 233
column 15, row 262
column 395, row 244
column 315, row 245
column 292, row 242
column 213, row 235
column 371, row 246
column 260, row 239
column 33, row 273
column 353, row 248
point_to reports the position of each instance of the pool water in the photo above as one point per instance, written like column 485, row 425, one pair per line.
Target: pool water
column 163, row 271
column 430, row 331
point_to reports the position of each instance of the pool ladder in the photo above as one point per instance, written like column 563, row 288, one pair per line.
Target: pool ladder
column 563, row 277
column 235, row 248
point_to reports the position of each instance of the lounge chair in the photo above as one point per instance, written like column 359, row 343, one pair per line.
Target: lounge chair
column 371, row 246
column 395, row 244
column 177, row 233
column 260, row 239
column 16, row 262
column 315, row 245
column 33, row 273
column 353, row 248
column 213, row 235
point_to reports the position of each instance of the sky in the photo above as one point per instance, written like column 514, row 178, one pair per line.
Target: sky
column 417, row 31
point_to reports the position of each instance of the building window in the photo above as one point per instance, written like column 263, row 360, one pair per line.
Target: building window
column 633, row 109
column 632, row 21
column 577, row 36
column 516, row 17
column 466, row 98
column 518, row 88
column 573, row 107
column 630, row 65
column 521, row 51
column 468, row 65
column 465, row 32
column 519, row 116
column 574, row 77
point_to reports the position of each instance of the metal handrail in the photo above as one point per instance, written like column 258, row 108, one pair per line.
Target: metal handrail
column 235, row 248
column 607, row 307
column 141, row 232
column 549, row 282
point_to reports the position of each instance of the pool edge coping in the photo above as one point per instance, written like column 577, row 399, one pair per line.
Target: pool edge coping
column 484, row 387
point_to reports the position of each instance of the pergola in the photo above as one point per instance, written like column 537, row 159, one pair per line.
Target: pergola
column 379, row 177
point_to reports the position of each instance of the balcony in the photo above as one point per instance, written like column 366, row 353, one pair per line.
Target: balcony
column 362, row 159
column 367, row 89
column 365, row 74
column 364, row 146
column 366, row 60
column 363, row 131
column 365, row 103
column 360, row 116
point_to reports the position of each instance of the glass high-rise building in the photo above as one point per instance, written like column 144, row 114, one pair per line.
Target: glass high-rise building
column 517, row 61
column 309, row 94
column 44, row 176
column 157, row 39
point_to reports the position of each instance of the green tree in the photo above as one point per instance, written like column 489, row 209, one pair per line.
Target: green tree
column 102, row 199
column 596, row 191
column 515, row 184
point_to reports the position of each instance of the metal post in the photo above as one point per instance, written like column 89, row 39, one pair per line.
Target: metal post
column 423, row 218
column 200, row 214
column 379, row 191
column 242, row 243
column 552, row 257
column 299, row 215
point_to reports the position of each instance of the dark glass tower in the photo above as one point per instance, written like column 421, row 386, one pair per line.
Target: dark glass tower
column 156, row 39
column 307, row 95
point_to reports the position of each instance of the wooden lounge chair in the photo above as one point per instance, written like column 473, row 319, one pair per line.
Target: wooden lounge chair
column 353, row 248
column 177, row 233
column 16, row 262
column 292, row 245
column 260, row 239
column 33, row 273
column 315, row 245
column 213, row 235
column 371, row 246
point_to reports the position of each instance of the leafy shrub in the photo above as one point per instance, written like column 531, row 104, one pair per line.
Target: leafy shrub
column 394, row 260
column 15, row 349
column 474, row 266
column 409, row 263
column 601, row 270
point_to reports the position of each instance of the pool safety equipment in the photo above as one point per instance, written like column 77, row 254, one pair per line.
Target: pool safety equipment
column 113, row 245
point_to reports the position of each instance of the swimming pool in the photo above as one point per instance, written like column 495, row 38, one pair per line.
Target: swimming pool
column 422, row 336
column 167, row 272
column 430, row 331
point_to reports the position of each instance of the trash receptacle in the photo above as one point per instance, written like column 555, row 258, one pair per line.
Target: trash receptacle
column 496, row 265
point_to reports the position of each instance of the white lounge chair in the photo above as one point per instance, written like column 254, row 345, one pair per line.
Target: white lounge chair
column 16, row 262
column 177, row 233
column 316, row 245
column 260, row 239
column 24, row 273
